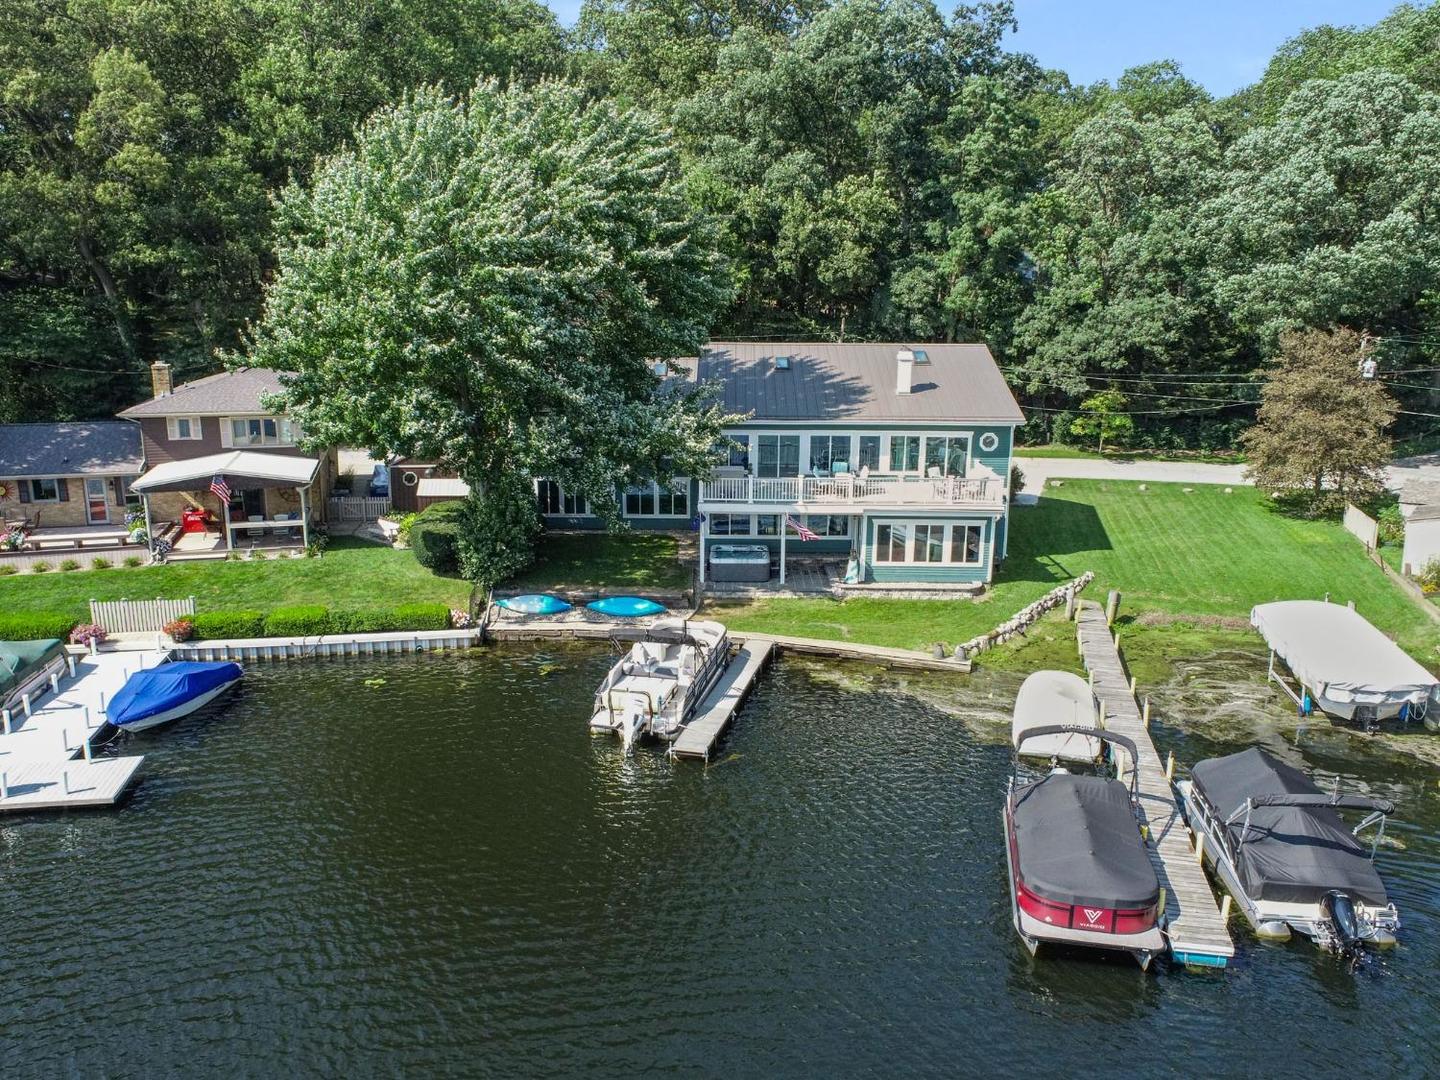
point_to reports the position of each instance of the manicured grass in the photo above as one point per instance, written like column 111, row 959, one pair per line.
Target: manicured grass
column 619, row 560
column 1058, row 450
column 1203, row 553
column 352, row 574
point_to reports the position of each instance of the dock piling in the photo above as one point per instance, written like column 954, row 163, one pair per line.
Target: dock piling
column 25, row 704
column 1112, row 607
column 1170, row 766
column 1200, row 848
column 5, row 719
column 54, row 682
column 1145, row 712
column 71, row 661
column 1225, row 908
column 4, row 785
column 85, row 748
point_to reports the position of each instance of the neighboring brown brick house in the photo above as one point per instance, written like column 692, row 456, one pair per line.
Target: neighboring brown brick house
column 68, row 474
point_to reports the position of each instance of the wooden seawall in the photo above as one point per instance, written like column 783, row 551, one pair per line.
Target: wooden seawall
column 1193, row 925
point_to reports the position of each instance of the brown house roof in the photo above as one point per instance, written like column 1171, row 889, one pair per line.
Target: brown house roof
column 83, row 448
column 961, row 383
column 227, row 392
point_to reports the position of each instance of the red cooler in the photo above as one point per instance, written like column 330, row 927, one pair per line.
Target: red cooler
column 194, row 521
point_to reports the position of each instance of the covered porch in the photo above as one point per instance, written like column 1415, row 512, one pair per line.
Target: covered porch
column 240, row 482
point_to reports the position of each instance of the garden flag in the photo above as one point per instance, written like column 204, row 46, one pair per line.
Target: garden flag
column 220, row 489
column 800, row 530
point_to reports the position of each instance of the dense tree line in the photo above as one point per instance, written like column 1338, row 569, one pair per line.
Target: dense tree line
column 873, row 169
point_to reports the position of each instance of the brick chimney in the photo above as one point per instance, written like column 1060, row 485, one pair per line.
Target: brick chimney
column 160, row 380
column 904, row 369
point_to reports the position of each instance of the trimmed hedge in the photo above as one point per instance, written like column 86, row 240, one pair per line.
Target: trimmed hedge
column 310, row 620
column 450, row 510
column 435, row 544
column 302, row 620
column 35, row 625
column 229, row 624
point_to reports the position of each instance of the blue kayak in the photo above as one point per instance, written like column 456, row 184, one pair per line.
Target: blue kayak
column 160, row 694
column 534, row 604
column 626, row 607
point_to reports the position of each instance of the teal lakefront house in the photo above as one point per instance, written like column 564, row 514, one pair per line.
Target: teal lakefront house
column 895, row 457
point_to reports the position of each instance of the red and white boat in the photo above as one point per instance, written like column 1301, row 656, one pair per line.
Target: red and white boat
column 1080, row 874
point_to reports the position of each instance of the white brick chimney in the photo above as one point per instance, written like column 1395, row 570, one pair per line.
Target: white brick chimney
column 160, row 381
column 904, row 370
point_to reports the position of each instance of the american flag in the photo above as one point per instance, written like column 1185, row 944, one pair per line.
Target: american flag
column 800, row 530
column 220, row 489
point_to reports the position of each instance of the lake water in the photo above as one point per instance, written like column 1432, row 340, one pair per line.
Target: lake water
column 426, row 865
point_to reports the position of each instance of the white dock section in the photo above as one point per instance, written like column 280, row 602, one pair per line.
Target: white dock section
column 43, row 758
column 716, row 711
column 1193, row 925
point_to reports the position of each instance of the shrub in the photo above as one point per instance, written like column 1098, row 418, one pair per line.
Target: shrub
column 41, row 567
column 69, row 564
column 387, row 620
column 229, row 624
column 85, row 633
column 1017, row 481
column 318, row 544
column 6, row 569
column 403, row 525
column 447, row 510
column 180, row 629
column 1429, row 576
column 497, row 537
column 29, row 625
column 423, row 617
column 100, row 564
column 435, row 544
column 1392, row 524
column 134, row 560
column 302, row 620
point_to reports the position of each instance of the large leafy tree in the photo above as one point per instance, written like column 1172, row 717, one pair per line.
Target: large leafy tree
column 1320, row 435
column 488, row 282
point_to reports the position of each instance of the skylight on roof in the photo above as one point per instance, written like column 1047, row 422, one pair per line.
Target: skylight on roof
column 921, row 356
column 782, row 363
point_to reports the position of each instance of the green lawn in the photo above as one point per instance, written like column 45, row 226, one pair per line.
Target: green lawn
column 641, row 560
column 352, row 574
column 1204, row 553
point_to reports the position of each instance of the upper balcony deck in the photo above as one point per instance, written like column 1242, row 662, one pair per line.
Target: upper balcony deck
column 849, row 494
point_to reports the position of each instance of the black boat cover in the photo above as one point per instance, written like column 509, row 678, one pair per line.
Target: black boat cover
column 1078, row 842
column 1291, row 853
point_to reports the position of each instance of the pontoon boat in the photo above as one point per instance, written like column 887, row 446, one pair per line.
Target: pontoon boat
column 1281, row 849
column 657, row 686
column 1080, row 873
column 1047, row 698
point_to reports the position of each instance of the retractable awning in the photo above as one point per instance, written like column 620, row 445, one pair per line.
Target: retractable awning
column 241, row 468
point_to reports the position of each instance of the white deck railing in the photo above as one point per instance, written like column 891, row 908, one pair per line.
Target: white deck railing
column 874, row 491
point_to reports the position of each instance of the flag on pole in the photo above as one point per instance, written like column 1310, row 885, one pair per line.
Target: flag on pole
column 220, row 489
column 800, row 530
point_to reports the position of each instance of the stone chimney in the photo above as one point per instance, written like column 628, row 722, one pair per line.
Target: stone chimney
column 160, row 380
column 904, row 370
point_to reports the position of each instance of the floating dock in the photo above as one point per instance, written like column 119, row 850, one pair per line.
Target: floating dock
column 1193, row 925
column 45, row 757
column 715, row 713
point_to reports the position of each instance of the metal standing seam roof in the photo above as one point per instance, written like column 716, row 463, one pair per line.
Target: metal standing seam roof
column 432, row 487
column 221, row 394
column 281, row 470
column 825, row 381
column 81, row 448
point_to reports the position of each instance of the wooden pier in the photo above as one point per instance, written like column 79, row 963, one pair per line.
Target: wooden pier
column 1193, row 924
column 46, row 762
column 715, row 713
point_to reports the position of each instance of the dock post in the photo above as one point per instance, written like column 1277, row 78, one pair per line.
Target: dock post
column 85, row 748
column 1112, row 607
column 71, row 661
column 1225, row 908
column 4, row 785
column 102, row 701
column 54, row 682
column 65, row 780
column 1070, row 604
column 1132, row 684
column 93, row 649
column 1200, row 848
column 25, row 703
column 1091, row 673
column 5, row 720
column 1145, row 713
column 1163, row 898
column 1170, row 766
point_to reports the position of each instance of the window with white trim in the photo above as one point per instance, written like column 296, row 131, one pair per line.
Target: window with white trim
column 652, row 500
column 933, row 543
column 44, row 490
column 827, row 451
column 767, row 524
column 904, row 453
column 950, row 454
column 729, row 524
column 777, row 455
column 554, row 501
column 739, row 450
column 869, row 456
column 258, row 431
column 183, row 428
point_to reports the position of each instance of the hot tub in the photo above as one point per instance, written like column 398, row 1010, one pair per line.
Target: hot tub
column 739, row 562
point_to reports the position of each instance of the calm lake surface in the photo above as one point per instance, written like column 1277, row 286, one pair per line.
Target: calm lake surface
column 427, row 866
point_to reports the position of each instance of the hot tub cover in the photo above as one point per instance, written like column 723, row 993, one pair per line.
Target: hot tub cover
column 1077, row 842
column 168, row 686
column 628, row 607
column 1291, row 853
column 1337, row 653
column 534, row 604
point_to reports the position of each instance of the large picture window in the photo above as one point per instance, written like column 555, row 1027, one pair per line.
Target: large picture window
column 260, row 431
column 729, row 524
column 652, row 500
column 869, row 456
column 556, row 502
column 904, row 453
column 949, row 454
column 828, row 524
column 44, row 490
column 929, row 542
column 778, row 455
column 739, row 448
column 828, row 451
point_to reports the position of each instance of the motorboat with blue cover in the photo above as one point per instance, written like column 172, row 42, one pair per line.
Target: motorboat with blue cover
column 1080, row 872
column 157, row 695
column 1279, row 845
column 534, row 604
column 658, row 684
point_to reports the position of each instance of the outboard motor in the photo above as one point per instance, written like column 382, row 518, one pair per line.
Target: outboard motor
column 1339, row 909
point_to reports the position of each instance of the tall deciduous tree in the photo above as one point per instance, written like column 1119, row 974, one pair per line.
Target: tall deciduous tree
column 1320, row 436
column 1104, row 417
column 488, row 283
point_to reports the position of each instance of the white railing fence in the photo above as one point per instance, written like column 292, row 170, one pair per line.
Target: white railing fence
column 139, row 616
column 357, row 508
column 803, row 490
